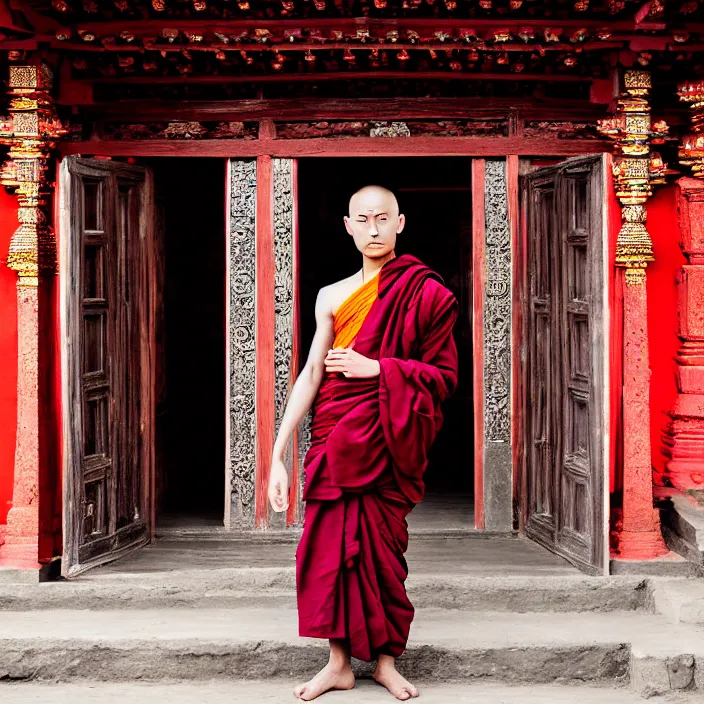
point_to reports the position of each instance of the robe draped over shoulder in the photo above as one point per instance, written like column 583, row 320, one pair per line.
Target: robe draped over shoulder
column 370, row 440
column 350, row 316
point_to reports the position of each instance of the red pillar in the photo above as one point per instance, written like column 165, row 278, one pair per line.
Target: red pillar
column 636, row 169
column 30, row 132
column 684, row 435
column 640, row 536
column 265, row 332
column 21, row 548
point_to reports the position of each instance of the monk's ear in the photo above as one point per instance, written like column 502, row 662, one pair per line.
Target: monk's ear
column 401, row 223
column 347, row 225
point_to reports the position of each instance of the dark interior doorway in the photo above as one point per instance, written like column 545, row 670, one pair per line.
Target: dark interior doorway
column 435, row 195
column 190, row 198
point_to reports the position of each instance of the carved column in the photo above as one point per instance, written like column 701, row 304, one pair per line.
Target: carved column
column 635, row 169
column 29, row 131
column 683, row 438
column 684, row 435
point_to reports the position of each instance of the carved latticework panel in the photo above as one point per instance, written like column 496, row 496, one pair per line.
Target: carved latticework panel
column 497, row 306
column 242, row 345
column 283, row 282
column 284, row 256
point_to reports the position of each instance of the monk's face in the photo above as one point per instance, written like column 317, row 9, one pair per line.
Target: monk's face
column 374, row 222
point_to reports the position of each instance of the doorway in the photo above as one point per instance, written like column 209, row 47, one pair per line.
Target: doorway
column 435, row 195
column 190, row 336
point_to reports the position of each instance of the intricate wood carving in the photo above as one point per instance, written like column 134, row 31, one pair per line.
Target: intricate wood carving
column 30, row 131
column 409, row 128
column 284, row 375
column 242, row 348
column 177, row 130
column 495, row 275
column 691, row 151
column 283, row 285
column 389, row 129
column 497, row 306
column 562, row 129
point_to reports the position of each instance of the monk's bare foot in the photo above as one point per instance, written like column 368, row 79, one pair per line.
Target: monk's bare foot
column 330, row 677
column 387, row 675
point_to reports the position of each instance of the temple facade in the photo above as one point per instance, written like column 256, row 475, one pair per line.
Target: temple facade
column 175, row 174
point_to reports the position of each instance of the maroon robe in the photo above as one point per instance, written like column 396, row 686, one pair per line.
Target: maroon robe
column 364, row 471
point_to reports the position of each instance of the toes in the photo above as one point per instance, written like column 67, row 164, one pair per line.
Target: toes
column 298, row 691
column 403, row 695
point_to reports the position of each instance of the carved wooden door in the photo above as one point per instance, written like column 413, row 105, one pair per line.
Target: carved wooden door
column 566, row 415
column 107, row 238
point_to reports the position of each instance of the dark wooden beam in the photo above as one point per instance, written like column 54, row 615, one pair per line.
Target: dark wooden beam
column 342, row 109
column 342, row 76
column 591, row 46
column 40, row 23
column 351, row 24
column 354, row 146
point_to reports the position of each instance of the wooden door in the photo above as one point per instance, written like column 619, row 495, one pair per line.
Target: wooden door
column 108, row 302
column 566, row 413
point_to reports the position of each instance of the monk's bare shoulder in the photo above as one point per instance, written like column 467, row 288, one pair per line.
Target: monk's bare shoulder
column 332, row 296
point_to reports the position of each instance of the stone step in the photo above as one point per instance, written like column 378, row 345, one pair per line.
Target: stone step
column 683, row 528
column 680, row 600
column 275, row 692
column 614, row 649
column 263, row 586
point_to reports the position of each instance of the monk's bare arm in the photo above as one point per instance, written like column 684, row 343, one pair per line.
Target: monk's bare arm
column 301, row 398
column 308, row 381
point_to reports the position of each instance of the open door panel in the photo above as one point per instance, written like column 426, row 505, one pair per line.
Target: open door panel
column 107, row 367
column 566, row 418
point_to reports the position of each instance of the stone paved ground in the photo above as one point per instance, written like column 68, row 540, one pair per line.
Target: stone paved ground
column 366, row 692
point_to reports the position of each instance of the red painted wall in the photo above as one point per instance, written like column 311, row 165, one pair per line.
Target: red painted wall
column 662, row 313
column 8, row 353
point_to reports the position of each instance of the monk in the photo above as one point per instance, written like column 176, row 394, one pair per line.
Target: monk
column 381, row 362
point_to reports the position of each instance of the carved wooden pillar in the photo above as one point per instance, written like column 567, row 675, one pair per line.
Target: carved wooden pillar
column 684, row 435
column 29, row 131
column 635, row 170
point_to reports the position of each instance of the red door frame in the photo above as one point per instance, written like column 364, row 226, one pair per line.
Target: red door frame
column 266, row 267
column 264, row 150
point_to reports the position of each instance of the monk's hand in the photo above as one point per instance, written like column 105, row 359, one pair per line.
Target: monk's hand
column 350, row 363
column 278, row 486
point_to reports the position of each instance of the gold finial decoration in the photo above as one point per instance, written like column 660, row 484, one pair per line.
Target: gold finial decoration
column 636, row 169
column 30, row 131
column 691, row 152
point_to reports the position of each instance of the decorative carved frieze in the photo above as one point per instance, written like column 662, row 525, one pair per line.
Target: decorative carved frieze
column 167, row 130
column 407, row 128
column 562, row 129
column 389, row 129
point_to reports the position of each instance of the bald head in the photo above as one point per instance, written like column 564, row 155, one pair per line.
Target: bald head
column 374, row 221
column 373, row 199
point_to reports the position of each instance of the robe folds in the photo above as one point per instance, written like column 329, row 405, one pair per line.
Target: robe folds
column 364, row 470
